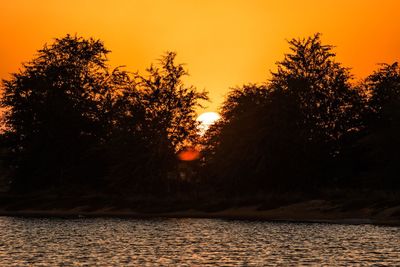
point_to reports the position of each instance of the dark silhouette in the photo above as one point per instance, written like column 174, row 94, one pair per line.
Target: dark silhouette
column 286, row 134
column 58, row 107
column 382, row 123
column 73, row 122
column 75, row 127
column 157, row 119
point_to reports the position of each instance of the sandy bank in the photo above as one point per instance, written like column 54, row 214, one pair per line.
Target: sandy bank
column 314, row 211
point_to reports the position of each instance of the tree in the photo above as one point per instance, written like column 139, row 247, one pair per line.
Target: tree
column 383, row 86
column 159, row 119
column 322, row 87
column 330, row 106
column 382, row 121
column 170, row 105
column 57, row 106
column 288, row 133
column 253, row 147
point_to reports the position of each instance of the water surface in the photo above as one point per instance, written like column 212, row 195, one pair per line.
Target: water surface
column 192, row 242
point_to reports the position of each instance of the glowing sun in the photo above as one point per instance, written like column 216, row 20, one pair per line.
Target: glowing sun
column 206, row 120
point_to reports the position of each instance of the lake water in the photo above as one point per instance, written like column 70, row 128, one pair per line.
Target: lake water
column 192, row 242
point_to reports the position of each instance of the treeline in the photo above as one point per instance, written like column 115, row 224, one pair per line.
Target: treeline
column 309, row 127
column 73, row 123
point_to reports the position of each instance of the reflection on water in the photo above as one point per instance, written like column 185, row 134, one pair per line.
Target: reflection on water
column 192, row 242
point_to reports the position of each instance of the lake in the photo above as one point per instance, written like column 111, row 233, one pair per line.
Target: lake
column 192, row 242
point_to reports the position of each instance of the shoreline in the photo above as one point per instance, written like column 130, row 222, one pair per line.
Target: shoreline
column 186, row 215
column 315, row 211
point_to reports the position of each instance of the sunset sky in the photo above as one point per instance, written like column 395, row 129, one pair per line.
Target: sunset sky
column 223, row 43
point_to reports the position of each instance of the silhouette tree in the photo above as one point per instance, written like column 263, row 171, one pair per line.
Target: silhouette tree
column 321, row 86
column 57, row 106
column 159, row 119
column 329, row 105
column 383, row 126
column 287, row 134
column 170, row 106
column 254, row 147
column 384, row 89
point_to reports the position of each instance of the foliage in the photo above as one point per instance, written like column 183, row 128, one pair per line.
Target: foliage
column 71, row 120
column 382, row 121
column 57, row 106
column 170, row 106
column 321, row 87
column 285, row 134
column 159, row 119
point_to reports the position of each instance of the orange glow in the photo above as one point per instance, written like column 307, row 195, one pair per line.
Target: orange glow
column 224, row 43
column 189, row 154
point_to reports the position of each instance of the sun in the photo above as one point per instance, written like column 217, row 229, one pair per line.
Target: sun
column 206, row 119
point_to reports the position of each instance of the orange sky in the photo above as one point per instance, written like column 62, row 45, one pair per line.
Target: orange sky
column 223, row 43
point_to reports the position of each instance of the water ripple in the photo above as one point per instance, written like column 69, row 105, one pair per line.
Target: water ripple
column 192, row 242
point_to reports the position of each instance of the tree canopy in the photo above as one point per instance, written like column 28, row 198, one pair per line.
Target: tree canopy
column 382, row 123
column 159, row 119
column 73, row 122
column 57, row 106
column 286, row 133
column 67, row 113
